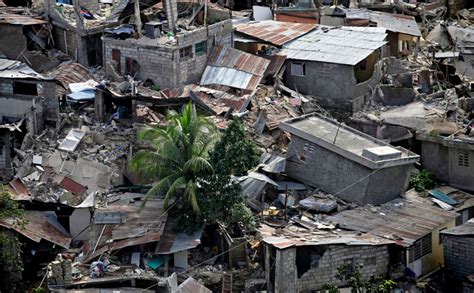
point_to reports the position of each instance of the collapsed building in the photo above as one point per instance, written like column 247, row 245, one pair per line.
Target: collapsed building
column 169, row 60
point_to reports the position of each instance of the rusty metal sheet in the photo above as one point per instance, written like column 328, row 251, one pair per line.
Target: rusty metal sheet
column 233, row 68
column 275, row 32
column 72, row 186
column 18, row 190
column 67, row 73
column 406, row 220
column 17, row 19
column 40, row 225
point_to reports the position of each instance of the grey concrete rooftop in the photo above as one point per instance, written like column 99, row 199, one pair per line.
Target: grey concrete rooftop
column 345, row 140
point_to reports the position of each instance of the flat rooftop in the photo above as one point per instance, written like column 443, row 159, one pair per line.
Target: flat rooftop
column 345, row 140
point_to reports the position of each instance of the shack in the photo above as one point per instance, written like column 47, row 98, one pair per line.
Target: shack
column 329, row 155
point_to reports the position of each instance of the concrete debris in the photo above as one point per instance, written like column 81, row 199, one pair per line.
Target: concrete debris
column 344, row 102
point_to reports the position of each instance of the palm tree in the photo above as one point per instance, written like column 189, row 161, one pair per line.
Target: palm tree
column 179, row 159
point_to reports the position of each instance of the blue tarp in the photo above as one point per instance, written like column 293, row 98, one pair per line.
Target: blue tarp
column 86, row 95
column 156, row 262
column 442, row 197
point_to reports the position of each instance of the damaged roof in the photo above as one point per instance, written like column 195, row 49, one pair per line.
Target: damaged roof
column 17, row 19
column 340, row 45
column 68, row 73
column 404, row 220
column 347, row 141
column 40, row 225
column 293, row 235
column 275, row 32
column 230, row 67
column 16, row 69
column 123, row 224
column 172, row 242
column 398, row 23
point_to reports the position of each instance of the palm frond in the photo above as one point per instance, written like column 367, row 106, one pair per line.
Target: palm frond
column 197, row 165
column 178, row 183
column 159, row 187
column 191, row 193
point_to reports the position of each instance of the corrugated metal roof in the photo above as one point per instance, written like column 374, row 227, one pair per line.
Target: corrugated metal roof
column 172, row 242
column 293, row 235
column 18, row 19
column 67, row 73
column 398, row 23
column 403, row 220
column 40, row 225
column 140, row 226
column 16, row 69
column 230, row 67
column 466, row 229
column 340, row 45
column 275, row 32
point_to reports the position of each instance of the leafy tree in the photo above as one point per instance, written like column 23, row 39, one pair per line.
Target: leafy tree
column 223, row 202
column 10, row 246
column 234, row 154
column 179, row 159
column 422, row 180
column 352, row 275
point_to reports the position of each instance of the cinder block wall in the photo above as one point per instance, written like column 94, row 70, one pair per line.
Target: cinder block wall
column 371, row 260
column 458, row 256
column 333, row 172
column 163, row 64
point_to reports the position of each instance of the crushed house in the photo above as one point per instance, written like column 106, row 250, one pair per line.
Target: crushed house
column 338, row 65
column 458, row 243
column 413, row 222
column 27, row 100
column 343, row 161
column 79, row 25
column 168, row 60
column 27, row 37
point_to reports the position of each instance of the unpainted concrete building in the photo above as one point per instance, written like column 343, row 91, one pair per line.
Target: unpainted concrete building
column 337, row 65
column 169, row 63
column 458, row 246
column 343, row 161
column 451, row 159
column 296, row 260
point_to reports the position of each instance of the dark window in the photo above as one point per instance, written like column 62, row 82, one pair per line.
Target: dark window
column 24, row 88
column 131, row 67
column 298, row 69
column 420, row 248
column 186, row 52
column 116, row 57
column 463, row 158
column 200, row 48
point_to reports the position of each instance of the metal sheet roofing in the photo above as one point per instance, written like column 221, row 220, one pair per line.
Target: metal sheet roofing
column 16, row 69
column 398, row 23
column 275, row 32
column 18, row 19
column 40, row 225
column 466, row 229
column 340, row 45
column 67, row 73
column 294, row 235
column 404, row 219
column 172, row 242
column 230, row 67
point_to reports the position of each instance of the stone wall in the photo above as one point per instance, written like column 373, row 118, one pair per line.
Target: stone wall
column 371, row 260
column 458, row 255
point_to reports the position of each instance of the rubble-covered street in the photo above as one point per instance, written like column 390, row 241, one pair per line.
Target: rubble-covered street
column 237, row 146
